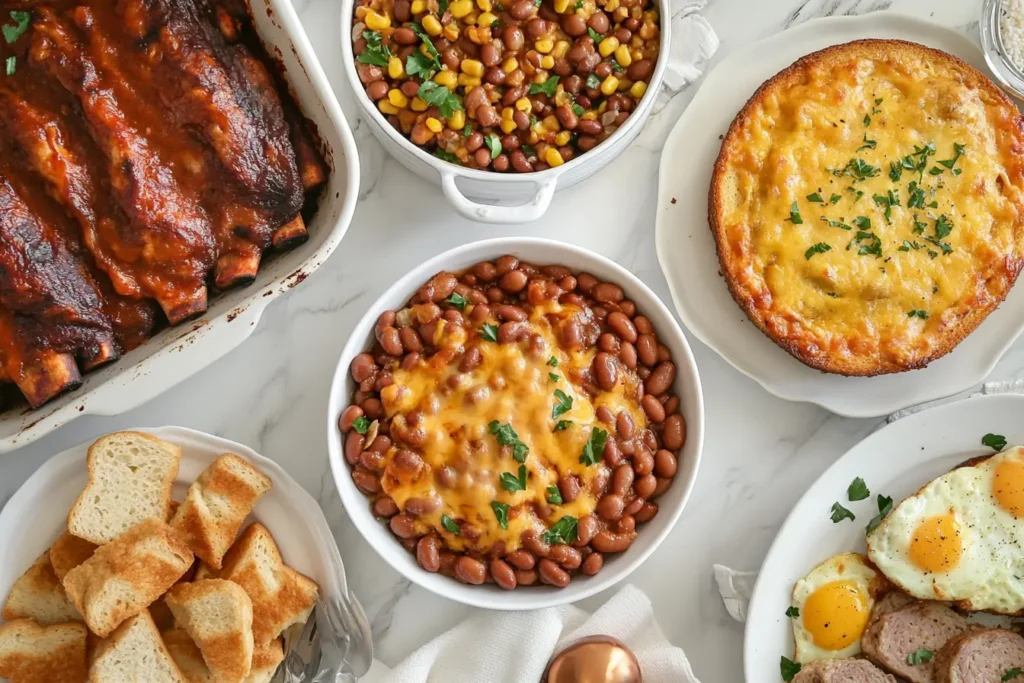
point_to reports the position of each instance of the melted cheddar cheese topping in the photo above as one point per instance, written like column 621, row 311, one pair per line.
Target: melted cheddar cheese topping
column 867, row 206
column 513, row 384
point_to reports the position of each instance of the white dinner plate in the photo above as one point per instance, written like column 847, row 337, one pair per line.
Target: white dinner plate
column 895, row 461
column 37, row 514
column 686, row 248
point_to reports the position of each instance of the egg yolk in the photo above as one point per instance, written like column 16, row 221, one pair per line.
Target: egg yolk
column 1008, row 486
column 835, row 615
column 936, row 545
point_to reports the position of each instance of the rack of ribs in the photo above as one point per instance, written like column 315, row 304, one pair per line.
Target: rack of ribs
column 149, row 155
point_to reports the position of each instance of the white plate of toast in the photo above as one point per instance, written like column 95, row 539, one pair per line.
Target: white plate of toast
column 162, row 555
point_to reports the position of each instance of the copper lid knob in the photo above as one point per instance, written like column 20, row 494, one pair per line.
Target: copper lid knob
column 596, row 659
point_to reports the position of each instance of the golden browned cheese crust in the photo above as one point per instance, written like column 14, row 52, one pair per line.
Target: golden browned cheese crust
column 839, row 284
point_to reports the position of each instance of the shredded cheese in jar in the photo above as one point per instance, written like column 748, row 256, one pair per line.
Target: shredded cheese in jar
column 1011, row 31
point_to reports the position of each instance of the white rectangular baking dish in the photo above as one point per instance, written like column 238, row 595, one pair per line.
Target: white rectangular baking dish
column 179, row 352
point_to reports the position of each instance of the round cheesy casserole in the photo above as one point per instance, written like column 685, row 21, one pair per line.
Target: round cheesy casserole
column 867, row 205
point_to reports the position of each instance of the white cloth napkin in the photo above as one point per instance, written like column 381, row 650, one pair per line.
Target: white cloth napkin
column 693, row 43
column 736, row 587
column 514, row 647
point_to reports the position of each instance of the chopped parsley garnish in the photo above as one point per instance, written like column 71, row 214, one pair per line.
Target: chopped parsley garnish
column 794, row 214
column 361, row 424
column 935, row 170
column 489, row 332
column 887, row 200
column 918, row 313
column 441, row 97
column 920, row 656
column 994, row 441
column 427, row 63
column 553, row 362
column 919, row 226
column 895, row 171
column 958, row 151
column 11, row 65
column 857, row 194
column 375, row 53
column 789, row 668
column 593, row 82
column 916, row 200
column 447, row 156
column 858, row 169
column 819, row 248
column 837, row 224
column 501, row 513
column 449, row 524
column 493, row 143
column 508, row 437
column 908, row 245
column 457, row 300
column 857, row 490
column 793, row 612
column 578, row 6
column 868, row 144
column 594, row 448
column 867, row 120
column 547, row 87
column 1011, row 674
column 553, row 377
column 468, row 130
column 839, row 513
column 562, row 532
column 512, row 483
column 577, row 109
column 616, row 67
column 597, row 37
column 834, row 199
column 862, row 222
column 884, row 508
column 554, row 495
column 868, row 243
column 563, row 425
column 918, row 159
column 563, row 406
column 943, row 226
column 21, row 20
column 421, row 65
column 815, row 197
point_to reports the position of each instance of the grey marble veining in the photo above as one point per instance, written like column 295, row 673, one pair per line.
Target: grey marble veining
column 761, row 453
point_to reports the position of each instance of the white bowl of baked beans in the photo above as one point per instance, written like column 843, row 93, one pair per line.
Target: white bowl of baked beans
column 502, row 102
column 515, row 424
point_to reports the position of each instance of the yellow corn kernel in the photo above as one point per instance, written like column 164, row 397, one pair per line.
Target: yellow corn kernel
column 507, row 125
column 451, row 32
column 533, row 138
column 562, row 97
column 419, row 104
column 611, row 5
column 609, row 85
column 398, row 98
column 507, row 113
column 418, row 6
column 468, row 81
column 510, row 65
column 589, row 116
column 551, row 123
column 395, row 68
column 470, row 18
column 608, row 46
column 651, row 16
column 486, row 19
column 472, row 67
column 563, row 138
column 434, row 125
column 636, row 54
column 547, row 62
column 387, row 108
column 648, row 31
column 446, row 78
column 376, row 21
column 561, row 6
column 458, row 120
column 553, row 157
column 484, row 5
column 460, row 8
column 524, row 104
column 361, row 12
column 622, row 55
column 624, row 84
column 561, row 48
column 544, row 46
column 638, row 89
column 431, row 25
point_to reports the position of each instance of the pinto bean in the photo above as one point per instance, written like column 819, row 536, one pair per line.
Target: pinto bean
column 661, row 378
column 567, row 556
column 645, row 485
column 422, row 505
column 470, row 570
column 673, row 435
column 593, row 563
column 586, row 527
column 569, row 487
column 526, row 577
column 503, row 574
column 354, row 443
column 610, row 507
column 403, row 526
column 552, row 574
column 385, row 506
column 347, row 417
column 605, row 371
column 363, row 367
column 428, row 553
column 622, row 479
column 653, row 409
column 646, row 513
column 665, row 464
column 610, row 542
column 647, row 349
column 521, row 559
column 622, row 326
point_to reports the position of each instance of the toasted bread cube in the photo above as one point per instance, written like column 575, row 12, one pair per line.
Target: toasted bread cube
column 130, row 479
column 38, row 595
column 280, row 595
column 265, row 661
column 217, row 614
column 30, row 653
column 187, row 656
column 69, row 551
column 216, row 505
column 133, row 653
column 205, row 571
column 124, row 577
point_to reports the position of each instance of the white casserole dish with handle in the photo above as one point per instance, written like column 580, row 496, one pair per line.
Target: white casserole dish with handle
column 503, row 198
column 178, row 352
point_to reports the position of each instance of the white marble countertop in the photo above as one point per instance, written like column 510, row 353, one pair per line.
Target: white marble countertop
column 760, row 454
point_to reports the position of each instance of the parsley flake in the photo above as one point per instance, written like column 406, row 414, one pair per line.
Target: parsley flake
column 501, row 513
column 563, row 425
column 918, row 313
column 834, row 199
column 441, row 97
column 920, row 656
column 449, row 524
column 507, row 437
column 457, row 300
column 21, row 21
column 563, row 406
column 839, row 513
column 819, row 248
column 1011, row 674
column 554, row 495
column 375, row 53
column 562, row 532
column 994, row 441
column 815, row 197
column 361, row 424
column 489, row 332
column 512, row 483
column 794, row 215
column 789, row 668
column 857, row 490
column 553, row 362
column 493, row 143
column 594, row 448
column 884, row 508
column 547, row 87
column 793, row 612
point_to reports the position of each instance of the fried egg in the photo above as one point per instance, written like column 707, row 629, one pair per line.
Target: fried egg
column 961, row 537
column 833, row 603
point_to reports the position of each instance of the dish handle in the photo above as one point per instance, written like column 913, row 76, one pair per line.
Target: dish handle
column 488, row 213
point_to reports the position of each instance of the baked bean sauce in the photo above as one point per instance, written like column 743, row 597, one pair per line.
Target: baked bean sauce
column 520, row 85
column 514, row 423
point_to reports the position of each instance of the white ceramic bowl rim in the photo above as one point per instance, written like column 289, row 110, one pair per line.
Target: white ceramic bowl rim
column 540, row 178
column 489, row 597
